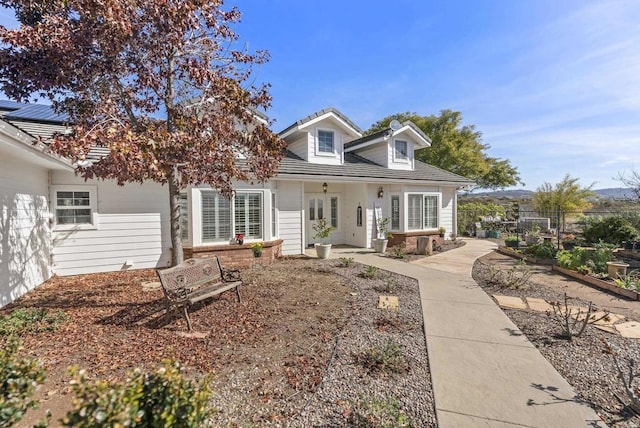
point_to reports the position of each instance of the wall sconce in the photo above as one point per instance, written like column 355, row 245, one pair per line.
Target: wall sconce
column 324, row 187
column 380, row 192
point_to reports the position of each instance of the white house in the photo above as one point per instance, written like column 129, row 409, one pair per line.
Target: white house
column 52, row 222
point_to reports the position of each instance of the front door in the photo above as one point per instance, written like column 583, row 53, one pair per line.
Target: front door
column 315, row 211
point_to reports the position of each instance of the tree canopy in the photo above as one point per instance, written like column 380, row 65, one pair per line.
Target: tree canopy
column 457, row 148
column 157, row 83
column 567, row 195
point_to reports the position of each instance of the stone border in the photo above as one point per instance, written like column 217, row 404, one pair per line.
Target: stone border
column 605, row 285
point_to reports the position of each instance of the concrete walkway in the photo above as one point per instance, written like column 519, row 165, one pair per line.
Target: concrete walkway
column 485, row 372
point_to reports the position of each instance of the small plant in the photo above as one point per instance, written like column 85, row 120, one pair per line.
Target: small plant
column 382, row 225
column 573, row 321
column 442, row 231
column 511, row 238
column 257, row 247
column 389, row 285
column 631, row 281
column 370, row 272
column 164, row 398
column 384, row 359
column 31, row 320
column 346, row 262
column 379, row 413
column 398, row 251
column 19, row 379
column 535, row 229
column 323, row 229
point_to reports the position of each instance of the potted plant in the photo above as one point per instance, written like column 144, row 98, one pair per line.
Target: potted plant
column 323, row 231
column 256, row 247
column 533, row 237
column 442, row 231
column 380, row 243
column 512, row 241
column 239, row 238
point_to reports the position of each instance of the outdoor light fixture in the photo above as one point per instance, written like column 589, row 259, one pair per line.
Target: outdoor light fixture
column 380, row 192
column 324, row 187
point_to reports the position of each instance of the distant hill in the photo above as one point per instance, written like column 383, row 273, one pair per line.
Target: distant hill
column 611, row 193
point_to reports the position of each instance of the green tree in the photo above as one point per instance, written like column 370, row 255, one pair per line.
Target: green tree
column 116, row 67
column 567, row 195
column 457, row 148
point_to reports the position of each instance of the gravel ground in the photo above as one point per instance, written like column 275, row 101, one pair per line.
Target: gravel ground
column 583, row 362
column 349, row 393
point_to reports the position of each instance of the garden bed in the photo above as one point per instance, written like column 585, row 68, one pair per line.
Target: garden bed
column 600, row 283
column 300, row 350
column 512, row 253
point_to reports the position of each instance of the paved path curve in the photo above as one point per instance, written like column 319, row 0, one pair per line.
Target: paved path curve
column 485, row 372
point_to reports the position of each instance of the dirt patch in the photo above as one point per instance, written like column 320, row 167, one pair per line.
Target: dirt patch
column 582, row 362
column 283, row 357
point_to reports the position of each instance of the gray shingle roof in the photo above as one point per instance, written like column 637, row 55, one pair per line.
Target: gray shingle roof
column 381, row 133
column 318, row 114
column 357, row 166
column 364, row 139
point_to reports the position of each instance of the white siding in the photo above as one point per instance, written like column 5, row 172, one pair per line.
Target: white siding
column 25, row 238
column 290, row 216
column 132, row 225
column 300, row 146
column 378, row 153
column 446, row 209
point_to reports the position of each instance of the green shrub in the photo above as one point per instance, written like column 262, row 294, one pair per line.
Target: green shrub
column 31, row 320
column 370, row 413
column 572, row 259
column 370, row 272
column 612, row 230
column 346, row 262
column 19, row 379
column 161, row 399
column 544, row 250
column 585, row 260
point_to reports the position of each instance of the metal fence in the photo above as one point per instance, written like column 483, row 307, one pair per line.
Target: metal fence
column 514, row 219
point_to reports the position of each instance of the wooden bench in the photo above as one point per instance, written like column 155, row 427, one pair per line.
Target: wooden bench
column 194, row 280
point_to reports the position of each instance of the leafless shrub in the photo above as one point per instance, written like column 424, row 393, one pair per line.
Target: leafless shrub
column 627, row 373
column 573, row 320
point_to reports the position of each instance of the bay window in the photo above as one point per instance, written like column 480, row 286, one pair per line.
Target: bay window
column 222, row 219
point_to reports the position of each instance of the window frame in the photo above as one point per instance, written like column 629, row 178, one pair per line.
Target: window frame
column 220, row 239
column 396, row 157
column 320, row 152
column 399, row 213
column 423, row 218
column 93, row 207
column 247, row 213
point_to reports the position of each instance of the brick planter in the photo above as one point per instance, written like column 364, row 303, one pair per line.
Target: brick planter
column 237, row 256
column 604, row 285
column 411, row 239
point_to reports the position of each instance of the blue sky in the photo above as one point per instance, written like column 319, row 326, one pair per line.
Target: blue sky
column 554, row 86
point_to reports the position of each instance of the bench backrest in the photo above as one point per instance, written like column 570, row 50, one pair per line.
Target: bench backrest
column 190, row 273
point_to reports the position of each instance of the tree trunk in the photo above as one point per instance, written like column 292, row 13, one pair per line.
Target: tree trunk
column 177, row 254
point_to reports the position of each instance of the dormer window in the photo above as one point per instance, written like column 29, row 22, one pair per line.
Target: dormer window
column 325, row 141
column 400, row 151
